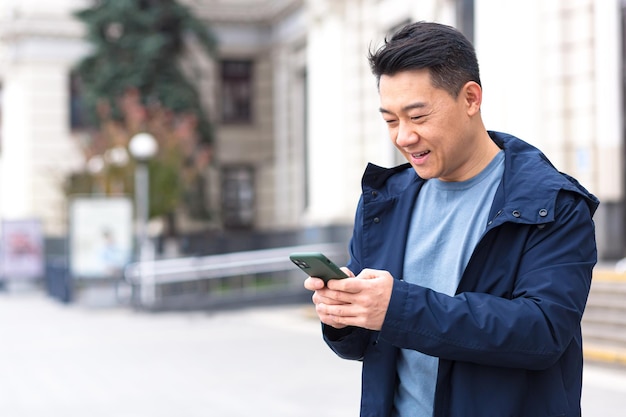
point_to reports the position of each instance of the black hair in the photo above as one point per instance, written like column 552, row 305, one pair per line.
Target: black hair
column 443, row 50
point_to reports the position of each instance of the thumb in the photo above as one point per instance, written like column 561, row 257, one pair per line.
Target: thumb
column 347, row 271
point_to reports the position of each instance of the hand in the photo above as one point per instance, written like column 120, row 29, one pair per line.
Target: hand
column 360, row 301
column 321, row 292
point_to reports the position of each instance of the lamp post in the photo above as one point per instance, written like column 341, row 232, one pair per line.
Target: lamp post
column 143, row 147
column 95, row 166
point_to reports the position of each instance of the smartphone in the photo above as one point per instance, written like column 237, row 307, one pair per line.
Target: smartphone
column 316, row 264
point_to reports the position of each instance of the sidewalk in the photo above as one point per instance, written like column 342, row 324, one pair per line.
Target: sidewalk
column 70, row 361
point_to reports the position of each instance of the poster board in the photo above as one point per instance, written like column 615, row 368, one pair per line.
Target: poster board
column 22, row 249
column 101, row 236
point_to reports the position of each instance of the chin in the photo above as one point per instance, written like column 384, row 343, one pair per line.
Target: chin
column 423, row 174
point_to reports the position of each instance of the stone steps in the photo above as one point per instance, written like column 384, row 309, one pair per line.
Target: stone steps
column 604, row 321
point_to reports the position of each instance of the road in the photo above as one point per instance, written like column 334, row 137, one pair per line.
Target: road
column 71, row 361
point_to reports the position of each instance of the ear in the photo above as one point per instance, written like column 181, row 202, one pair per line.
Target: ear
column 472, row 94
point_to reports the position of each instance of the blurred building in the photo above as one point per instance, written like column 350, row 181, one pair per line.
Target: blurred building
column 39, row 42
column 295, row 106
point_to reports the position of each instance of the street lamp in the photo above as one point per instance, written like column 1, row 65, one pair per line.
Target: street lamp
column 143, row 147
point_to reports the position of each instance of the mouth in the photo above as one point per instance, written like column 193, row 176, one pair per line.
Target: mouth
column 419, row 155
column 419, row 158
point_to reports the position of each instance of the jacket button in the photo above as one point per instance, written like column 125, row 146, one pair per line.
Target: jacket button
column 376, row 220
column 543, row 212
column 374, row 193
column 516, row 213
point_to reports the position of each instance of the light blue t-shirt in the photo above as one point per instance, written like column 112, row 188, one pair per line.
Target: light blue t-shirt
column 447, row 222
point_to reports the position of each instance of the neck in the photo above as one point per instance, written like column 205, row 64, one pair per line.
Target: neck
column 485, row 150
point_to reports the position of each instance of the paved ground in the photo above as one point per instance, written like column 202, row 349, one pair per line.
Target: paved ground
column 72, row 361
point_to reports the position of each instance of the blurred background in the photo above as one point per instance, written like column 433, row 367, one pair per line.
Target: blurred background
column 169, row 155
column 254, row 120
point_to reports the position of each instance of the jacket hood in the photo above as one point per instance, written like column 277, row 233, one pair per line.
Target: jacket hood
column 530, row 180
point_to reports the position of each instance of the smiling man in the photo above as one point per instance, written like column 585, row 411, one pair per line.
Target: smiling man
column 469, row 266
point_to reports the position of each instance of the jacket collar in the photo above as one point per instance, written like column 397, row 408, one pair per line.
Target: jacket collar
column 527, row 193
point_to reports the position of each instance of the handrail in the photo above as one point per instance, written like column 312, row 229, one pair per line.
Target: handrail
column 165, row 271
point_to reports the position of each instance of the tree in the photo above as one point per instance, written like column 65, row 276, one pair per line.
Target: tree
column 132, row 81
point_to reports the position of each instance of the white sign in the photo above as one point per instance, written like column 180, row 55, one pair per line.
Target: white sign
column 101, row 236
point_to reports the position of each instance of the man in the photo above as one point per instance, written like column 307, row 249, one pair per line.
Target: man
column 469, row 266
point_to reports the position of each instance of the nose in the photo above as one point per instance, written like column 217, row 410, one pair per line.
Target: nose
column 406, row 135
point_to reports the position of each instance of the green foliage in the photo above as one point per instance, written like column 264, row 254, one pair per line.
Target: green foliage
column 137, row 44
column 166, row 188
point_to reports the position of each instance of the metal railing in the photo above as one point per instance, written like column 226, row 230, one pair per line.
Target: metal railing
column 231, row 276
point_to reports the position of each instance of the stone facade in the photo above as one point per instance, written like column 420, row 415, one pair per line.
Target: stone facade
column 39, row 45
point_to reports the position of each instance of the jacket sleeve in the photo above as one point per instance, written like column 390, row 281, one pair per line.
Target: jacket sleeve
column 532, row 325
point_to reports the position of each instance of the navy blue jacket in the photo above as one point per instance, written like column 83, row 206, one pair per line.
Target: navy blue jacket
column 509, row 341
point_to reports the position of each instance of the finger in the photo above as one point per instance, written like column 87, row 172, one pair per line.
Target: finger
column 330, row 320
column 339, row 316
column 313, row 283
column 326, row 319
column 372, row 274
column 338, row 312
column 346, row 285
column 328, row 296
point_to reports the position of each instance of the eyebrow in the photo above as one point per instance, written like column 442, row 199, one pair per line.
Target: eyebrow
column 417, row 105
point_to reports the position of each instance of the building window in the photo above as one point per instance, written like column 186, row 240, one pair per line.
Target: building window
column 236, row 97
column 465, row 18
column 1, row 101
column 79, row 118
column 238, row 197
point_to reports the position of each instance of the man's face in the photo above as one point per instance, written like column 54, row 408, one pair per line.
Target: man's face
column 431, row 128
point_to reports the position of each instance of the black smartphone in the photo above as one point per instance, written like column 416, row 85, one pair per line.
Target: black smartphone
column 316, row 264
